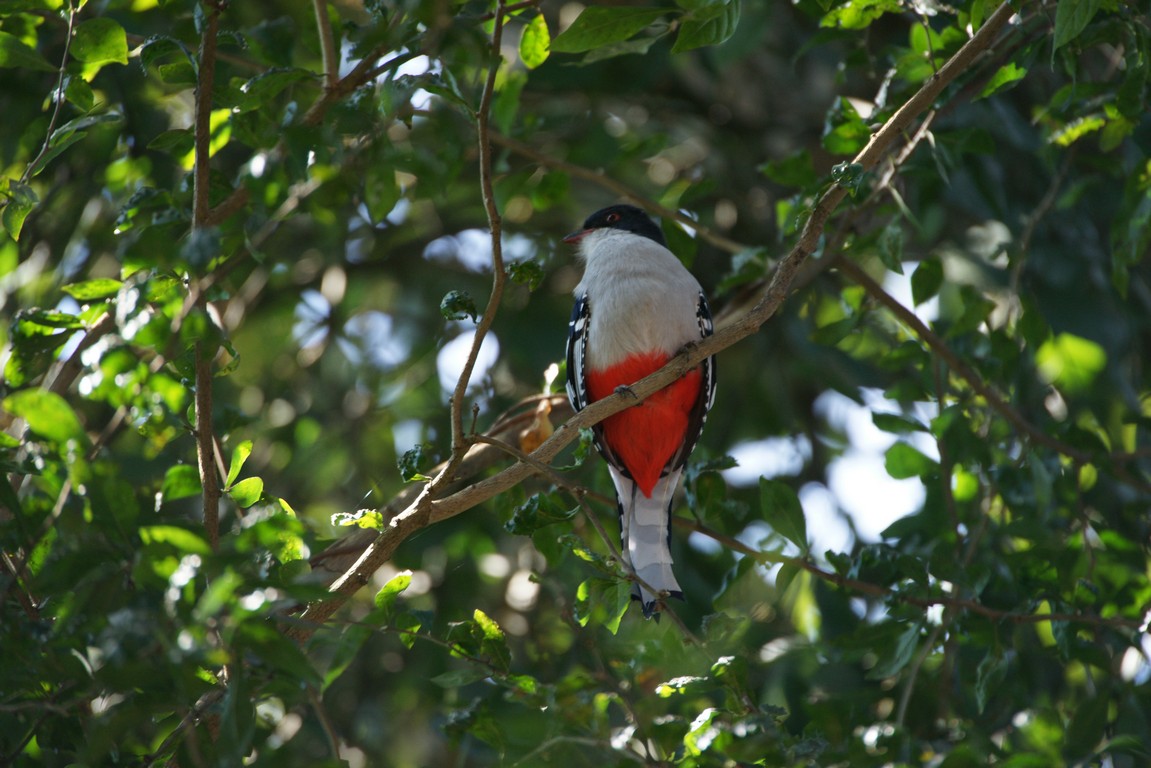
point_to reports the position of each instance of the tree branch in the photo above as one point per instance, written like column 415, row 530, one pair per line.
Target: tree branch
column 205, row 353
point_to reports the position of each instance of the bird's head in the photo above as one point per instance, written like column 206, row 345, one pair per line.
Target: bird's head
column 624, row 218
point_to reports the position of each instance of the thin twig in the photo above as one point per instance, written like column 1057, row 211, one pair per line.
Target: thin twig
column 327, row 44
column 495, row 225
column 57, row 97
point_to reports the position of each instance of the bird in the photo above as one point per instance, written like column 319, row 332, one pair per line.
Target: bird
column 636, row 306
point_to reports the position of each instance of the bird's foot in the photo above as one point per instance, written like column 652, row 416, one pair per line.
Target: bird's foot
column 624, row 389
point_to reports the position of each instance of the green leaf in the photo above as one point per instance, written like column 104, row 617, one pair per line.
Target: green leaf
column 56, row 146
column 598, row 26
column 903, row 461
column 458, row 678
column 181, row 539
column 457, row 305
column 850, row 176
column 409, row 464
column 1070, row 362
column 601, row 601
column 1004, row 77
column 710, row 24
column 794, row 170
column 247, row 492
column 779, row 505
column 79, row 93
column 528, row 273
column 1071, row 18
column 926, row 280
column 1076, row 129
column 177, row 141
column 48, row 415
column 395, row 586
column 682, row 684
column 680, row 242
column 891, row 246
column 240, row 454
column 898, row 656
column 535, row 42
column 988, row 676
column 258, row 92
column 539, row 511
column 493, row 643
column 701, row 733
column 361, row 518
column 844, row 132
column 638, row 46
column 180, row 482
column 91, row 290
column 1087, row 728
column 859, row 14
column 14, row 52
column 21, row 201
column 100, row 41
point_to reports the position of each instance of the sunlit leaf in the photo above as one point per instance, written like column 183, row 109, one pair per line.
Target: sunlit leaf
column 1070, row 362
column 100, row 41
column 361, row 518
column 182, row 539
column 247, row 492
column 48, row 415
column 90, row 290
column 1004, row 77
column 181, row 481
column 395, row 586
column 903, row 461
column 240, row 455
column 535, row 42
column 859, row 14
column 22, row 200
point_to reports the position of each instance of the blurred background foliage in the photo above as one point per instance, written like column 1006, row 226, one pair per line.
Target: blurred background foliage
column 933, row 550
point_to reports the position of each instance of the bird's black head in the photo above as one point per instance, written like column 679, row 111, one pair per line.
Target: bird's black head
column 623, row 217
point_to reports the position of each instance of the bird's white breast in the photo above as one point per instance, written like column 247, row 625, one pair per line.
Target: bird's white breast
column 642, row 299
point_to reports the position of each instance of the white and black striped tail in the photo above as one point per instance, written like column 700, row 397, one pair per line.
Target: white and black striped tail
column 645, row 530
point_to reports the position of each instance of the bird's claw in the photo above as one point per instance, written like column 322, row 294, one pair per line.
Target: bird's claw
column 624, row 389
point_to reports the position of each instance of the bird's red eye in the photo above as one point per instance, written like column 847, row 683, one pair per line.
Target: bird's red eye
column 612, row 218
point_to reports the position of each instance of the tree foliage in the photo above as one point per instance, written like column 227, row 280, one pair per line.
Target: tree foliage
column 259, row 509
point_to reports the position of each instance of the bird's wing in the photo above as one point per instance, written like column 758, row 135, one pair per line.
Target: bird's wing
column 576, row 351
column 703, row 402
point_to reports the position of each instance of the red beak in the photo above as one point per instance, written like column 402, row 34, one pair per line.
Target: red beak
column 575, row 237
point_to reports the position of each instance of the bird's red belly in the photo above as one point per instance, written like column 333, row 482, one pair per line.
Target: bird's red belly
column 646, row 436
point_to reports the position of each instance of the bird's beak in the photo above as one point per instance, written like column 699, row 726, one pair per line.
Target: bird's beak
column 576, row 236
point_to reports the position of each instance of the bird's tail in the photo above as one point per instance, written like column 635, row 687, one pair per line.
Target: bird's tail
column 645, row 528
